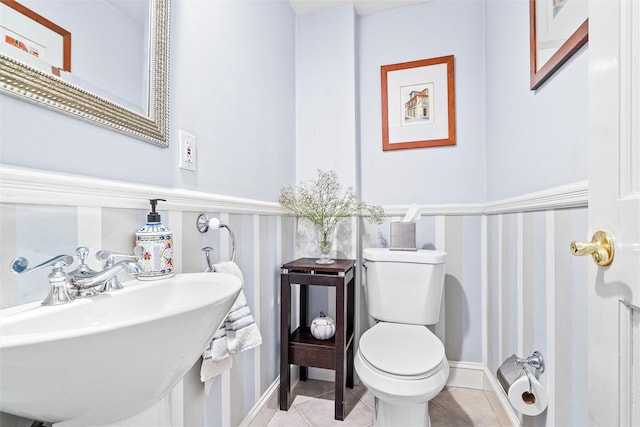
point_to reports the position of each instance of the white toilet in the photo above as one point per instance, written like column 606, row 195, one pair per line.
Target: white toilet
column 401, row 362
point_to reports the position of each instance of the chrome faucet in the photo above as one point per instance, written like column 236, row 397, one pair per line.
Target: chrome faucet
column 81, row 282
column 83, row 270
column 109, row 258
column 97, row 280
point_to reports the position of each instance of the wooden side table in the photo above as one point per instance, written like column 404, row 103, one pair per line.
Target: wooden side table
column 300, row 347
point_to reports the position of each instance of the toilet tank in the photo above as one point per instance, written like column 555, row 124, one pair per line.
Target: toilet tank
column 404, row 286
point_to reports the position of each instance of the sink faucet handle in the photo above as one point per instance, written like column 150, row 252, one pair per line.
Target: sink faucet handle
column 58, row 279
column 20, row 265
column 109, row 257
column 83, row 270
column 82, row 252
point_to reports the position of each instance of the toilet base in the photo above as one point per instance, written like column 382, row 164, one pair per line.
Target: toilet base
column 390, row 415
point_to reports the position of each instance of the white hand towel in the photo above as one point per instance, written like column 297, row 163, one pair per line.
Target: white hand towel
column 238, row 333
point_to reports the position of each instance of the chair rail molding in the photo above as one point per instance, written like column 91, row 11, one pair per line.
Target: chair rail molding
column 32, row 186
column 574, row 195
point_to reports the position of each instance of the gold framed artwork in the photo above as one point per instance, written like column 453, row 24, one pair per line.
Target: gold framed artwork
column 418, row 104
column 557, row 30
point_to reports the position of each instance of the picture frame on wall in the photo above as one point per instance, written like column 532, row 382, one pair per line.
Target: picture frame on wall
column 557, row 30
column 33, row 39
column 418, row 104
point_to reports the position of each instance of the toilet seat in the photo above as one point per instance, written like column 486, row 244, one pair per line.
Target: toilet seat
column 402, row 351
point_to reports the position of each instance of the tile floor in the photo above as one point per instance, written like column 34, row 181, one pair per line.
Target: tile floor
column 313, row 407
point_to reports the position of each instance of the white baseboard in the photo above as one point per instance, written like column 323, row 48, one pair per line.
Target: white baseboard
column 461, row 374
column 478, row 377
column 466, row 374
column 492, row 384
column 264, row 399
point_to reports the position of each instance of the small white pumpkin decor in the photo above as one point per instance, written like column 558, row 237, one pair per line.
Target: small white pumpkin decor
column 323, row 327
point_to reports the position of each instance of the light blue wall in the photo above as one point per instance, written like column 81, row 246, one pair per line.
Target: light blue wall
column 326, row 93
column 238, row 97
column 535, row 139
column 426, row 175
column 232, row 85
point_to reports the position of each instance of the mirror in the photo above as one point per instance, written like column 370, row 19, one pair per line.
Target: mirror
column 128, row 95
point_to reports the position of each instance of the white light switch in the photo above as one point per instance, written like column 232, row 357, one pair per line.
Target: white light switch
column 187, row 151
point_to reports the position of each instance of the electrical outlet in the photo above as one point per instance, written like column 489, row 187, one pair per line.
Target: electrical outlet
column 187, row 154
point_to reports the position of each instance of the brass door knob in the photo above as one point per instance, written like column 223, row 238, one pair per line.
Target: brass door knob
column 601, row 248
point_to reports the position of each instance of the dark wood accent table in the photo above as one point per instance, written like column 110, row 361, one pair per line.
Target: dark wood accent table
column 300, row 347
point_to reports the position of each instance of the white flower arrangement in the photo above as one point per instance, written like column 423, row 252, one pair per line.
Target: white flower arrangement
column 321, row 202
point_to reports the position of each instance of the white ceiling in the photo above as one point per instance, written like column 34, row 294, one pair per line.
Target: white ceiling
column 362, row 6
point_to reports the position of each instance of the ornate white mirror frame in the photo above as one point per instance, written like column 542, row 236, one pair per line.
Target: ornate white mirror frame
column 35, row 86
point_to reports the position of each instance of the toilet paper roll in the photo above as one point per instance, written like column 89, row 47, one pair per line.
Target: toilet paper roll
column 523, row 401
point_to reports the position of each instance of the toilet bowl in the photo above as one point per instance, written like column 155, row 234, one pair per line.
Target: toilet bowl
column 400, row 361
column 403, row 366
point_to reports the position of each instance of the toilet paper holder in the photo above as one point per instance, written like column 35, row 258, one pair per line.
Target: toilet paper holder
column 529, row 399
column 536, row 361
column 514, row 367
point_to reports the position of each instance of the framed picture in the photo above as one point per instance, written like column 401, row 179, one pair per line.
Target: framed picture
column 33, row 39
column 557, row 29
column 418, row 104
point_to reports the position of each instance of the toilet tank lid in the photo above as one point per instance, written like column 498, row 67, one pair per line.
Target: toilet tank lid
column 421, row 256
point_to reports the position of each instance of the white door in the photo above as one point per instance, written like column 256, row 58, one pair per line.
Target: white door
column 614, row 206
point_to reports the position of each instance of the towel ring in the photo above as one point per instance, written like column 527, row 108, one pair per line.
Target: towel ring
column 204, row 223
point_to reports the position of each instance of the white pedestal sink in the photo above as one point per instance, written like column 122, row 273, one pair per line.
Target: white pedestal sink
column 101, row 359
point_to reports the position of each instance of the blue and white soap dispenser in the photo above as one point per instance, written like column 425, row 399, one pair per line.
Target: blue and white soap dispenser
column 156, row 241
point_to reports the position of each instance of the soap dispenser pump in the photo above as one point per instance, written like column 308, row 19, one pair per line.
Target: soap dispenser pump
column 156, row 241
